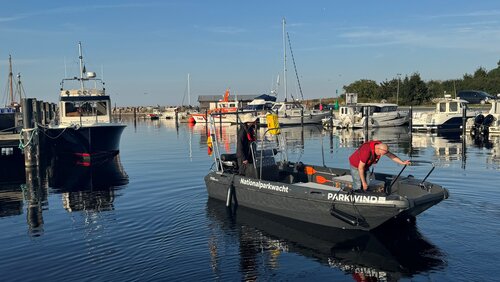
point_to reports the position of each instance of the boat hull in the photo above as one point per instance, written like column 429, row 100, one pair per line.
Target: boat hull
column 90, row 141
column 7, row 121
column 384, row 121
column 451, row 124
column 311, row 203
column 291, row 120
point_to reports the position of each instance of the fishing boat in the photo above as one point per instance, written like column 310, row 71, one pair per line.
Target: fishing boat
column 224, row 106
column 9, row 113
column 84, row 127
column 317, row 194
column 488, row 124
column 446, row 118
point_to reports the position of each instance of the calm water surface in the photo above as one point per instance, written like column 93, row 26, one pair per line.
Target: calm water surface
column 146, row 216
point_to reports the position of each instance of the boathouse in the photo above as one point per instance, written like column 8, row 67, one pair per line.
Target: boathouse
column 210, row 101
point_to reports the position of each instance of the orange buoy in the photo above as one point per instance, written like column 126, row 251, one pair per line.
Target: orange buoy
column 191, row 120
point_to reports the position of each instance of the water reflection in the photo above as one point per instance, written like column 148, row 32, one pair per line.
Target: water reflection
column 446, row 148
column 387, row 254
column 11, row 176
column 389, row 135
column 88, row 187
column 83, row 188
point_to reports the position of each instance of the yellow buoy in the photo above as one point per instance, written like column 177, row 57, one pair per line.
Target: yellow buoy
column 273, row 124
column 209, row 145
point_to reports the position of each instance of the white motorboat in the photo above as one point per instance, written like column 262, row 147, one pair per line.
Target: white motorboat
column 447, row 117
column 368, row 114
column 293, row 113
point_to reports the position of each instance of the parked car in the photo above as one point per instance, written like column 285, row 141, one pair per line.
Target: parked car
column 475, row 96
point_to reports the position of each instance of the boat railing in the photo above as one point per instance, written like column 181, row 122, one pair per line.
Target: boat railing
column 259, row 148
column 414, row 162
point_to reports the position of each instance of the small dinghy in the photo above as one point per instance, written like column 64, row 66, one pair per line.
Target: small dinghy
column 315, row 193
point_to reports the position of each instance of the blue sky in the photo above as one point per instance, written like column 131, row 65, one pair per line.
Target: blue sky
column 145, row 50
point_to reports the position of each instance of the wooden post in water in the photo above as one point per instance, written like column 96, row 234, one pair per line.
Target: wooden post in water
column 302, row 117
column 331, row 119
column 38, row 112
column 176, row 116
column 206, row 123
column 29, row 134
column 410, row 113
column 46, row 113
column 464, row 120
column 35, row 195
column 366, row 111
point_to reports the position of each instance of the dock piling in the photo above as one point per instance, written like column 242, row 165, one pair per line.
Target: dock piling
column 29, row 133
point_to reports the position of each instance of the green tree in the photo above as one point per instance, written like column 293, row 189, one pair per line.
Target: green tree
column 415, row 91
column 388, row 90
column 367, row 89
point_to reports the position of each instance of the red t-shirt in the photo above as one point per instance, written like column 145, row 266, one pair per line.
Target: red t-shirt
column 366, row 154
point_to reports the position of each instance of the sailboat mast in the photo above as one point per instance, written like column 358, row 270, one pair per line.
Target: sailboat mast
column 189, row 91
column 284, row 60
column 80, row 57
column 11, row 88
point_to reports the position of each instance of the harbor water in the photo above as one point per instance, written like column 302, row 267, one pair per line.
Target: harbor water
column 146, row 216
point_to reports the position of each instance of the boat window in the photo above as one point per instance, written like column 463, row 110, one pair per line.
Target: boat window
column 76, row 109
column 442, row 107
column 453, row 106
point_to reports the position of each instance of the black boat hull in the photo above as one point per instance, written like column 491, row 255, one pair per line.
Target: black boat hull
column 7, row 121
column 86, row 141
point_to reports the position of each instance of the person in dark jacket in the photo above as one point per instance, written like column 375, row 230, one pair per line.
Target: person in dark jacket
column 246, row 135
column 365, row 156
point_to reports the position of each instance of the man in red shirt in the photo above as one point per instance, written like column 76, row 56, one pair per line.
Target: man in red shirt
column 366, row 155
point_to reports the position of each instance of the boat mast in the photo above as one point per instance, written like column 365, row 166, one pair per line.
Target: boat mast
column 81, row 63
column 11, row 88
column 189, row 91
column 284, row 60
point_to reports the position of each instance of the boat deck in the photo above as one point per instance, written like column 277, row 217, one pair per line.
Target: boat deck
column 317, row 186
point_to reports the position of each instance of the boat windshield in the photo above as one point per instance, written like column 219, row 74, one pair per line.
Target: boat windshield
column 276, row 107
column 453, row 106
column 76, row 109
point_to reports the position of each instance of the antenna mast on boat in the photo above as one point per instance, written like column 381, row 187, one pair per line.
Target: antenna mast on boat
column 81, row 63
column 11, row 88
column 284, row 60
column 19, row 89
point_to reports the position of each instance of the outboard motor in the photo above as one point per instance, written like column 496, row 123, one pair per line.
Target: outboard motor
column 478, row 120
column 488, row 120
column 476, row 128
column 484, row 129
